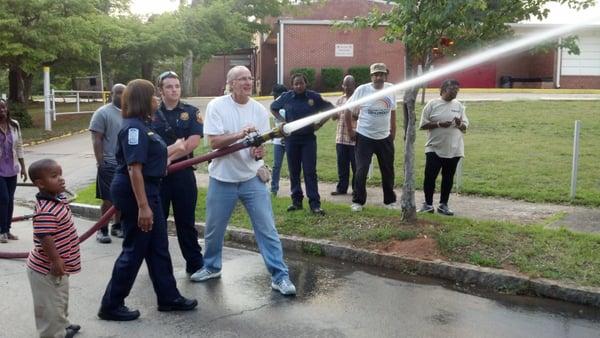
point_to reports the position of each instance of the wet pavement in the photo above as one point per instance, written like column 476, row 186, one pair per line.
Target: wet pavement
column 334, row 300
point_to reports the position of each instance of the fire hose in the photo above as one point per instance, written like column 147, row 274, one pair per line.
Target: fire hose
column 252, row 140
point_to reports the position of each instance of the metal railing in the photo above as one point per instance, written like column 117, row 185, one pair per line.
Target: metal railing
column 77, row 95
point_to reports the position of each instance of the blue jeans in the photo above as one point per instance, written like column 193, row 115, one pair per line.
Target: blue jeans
column 278, row 152
column 8, row 185
column 220, row 201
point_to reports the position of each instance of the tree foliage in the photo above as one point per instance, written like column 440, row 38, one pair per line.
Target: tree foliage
column 70, row 34
column 420, row 26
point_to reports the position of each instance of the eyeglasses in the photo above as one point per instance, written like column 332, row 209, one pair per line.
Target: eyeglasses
column 168, row 73
column 245, row 78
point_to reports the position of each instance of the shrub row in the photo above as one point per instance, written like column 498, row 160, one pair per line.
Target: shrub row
column 331, row 77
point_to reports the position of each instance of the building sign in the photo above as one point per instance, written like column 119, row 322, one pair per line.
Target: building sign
column 344, row 50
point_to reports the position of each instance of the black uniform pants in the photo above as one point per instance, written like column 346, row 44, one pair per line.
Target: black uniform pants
column 433, row 165
column 345, row 162
column 179, row 190
column 302, row 156
column 152, row 246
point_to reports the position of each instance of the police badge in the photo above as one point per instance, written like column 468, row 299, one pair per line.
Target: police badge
column 184, row 116
column 311, row 102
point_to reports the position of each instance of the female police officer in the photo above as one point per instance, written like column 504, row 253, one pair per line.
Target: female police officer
column 301, row 145
column 178, row 120
column 142, row 162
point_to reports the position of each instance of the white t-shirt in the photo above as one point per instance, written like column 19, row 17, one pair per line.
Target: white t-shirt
column 445, row 142
column 275, row 122
column 374, row 117
column 225, row 116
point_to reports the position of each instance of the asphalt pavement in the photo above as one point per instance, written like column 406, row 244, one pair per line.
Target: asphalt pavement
column 334, row 300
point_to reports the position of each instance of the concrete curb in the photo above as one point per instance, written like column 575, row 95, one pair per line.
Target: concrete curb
column 54, row 138
column 496, row 279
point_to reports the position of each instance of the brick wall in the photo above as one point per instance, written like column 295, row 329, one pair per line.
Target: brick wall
column 211, row 81
column 268, row 69
column 314, row 46
column 576, row 82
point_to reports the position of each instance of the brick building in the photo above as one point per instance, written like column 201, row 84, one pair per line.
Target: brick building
column 555, row 68
column 306, row 37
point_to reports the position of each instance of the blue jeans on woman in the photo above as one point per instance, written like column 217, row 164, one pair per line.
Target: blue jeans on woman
column 220, row 202
column 278, row 152
column 8, row 185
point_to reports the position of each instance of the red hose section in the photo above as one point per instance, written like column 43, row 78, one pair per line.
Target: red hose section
column 110, row 212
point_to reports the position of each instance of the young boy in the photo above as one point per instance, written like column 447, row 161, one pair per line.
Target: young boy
column 55, row 254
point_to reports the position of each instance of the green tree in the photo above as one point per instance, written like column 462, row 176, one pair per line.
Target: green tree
column 222, row 26
column 420, row 26
column 40, row 32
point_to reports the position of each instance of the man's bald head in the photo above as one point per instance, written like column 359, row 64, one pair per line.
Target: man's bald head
column 235, row 72
column 116, row 93
column 348, row 85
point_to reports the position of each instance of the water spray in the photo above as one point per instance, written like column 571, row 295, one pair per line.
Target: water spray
column 466, row 62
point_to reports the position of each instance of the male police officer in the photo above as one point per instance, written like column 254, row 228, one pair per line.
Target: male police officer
column 175, row 119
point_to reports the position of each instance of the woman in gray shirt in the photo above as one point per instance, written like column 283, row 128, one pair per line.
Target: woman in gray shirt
column 445, row 120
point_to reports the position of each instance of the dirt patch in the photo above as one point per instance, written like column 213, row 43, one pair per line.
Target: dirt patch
column 422, row 247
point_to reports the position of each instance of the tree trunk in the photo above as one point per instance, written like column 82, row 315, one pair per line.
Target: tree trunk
column 407, row 201
column 188, row 75
column 147, row 68
column 16, row 84
column 28, row 82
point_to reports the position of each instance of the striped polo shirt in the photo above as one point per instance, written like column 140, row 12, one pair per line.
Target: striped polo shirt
column 53, row 218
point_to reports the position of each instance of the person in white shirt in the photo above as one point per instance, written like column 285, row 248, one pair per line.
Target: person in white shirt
column 374, row 134
column 233, row 177
column 446, row 122
column 278, row 144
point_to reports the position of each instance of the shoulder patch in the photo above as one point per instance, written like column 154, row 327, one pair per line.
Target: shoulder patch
column 133, row 137
column 199, row 117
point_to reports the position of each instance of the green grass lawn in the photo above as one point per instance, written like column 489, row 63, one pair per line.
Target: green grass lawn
column 520, row 150
column 533, row 250
column 64, row 124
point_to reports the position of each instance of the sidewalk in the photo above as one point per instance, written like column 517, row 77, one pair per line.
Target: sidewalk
column 576, row 218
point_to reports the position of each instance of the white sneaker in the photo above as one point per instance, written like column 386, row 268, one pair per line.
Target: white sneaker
column 284, row 286
column 392, row 205
column 204, row 275
column 356, row 207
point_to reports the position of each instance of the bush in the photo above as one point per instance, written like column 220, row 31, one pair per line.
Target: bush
column 331, row 78
column 308, row 72
column 361, row 74
column 18, row 111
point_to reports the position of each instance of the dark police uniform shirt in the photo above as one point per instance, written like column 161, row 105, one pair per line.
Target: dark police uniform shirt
column 298, row 106
column 181, row 122
column 138, row 143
